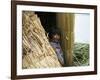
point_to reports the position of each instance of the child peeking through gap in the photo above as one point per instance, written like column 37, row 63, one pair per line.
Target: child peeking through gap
column 54, row 37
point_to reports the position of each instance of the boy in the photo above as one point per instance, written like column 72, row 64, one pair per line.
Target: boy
column 54, row 36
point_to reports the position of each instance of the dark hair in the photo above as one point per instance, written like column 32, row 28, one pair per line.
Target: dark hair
column 54, row 31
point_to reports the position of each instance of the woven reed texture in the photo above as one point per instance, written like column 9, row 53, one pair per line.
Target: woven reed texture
column 37, row 51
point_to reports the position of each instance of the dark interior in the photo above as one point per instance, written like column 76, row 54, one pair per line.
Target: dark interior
column 48, row 20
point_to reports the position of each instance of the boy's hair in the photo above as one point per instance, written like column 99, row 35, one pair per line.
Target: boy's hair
column 54, row 31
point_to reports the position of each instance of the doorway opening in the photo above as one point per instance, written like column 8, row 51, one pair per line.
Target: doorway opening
column 64, row 23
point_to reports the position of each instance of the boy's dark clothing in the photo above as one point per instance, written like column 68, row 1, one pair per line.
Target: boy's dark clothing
column 58, row 50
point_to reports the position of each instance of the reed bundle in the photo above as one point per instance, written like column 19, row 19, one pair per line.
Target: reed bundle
column 37, row 51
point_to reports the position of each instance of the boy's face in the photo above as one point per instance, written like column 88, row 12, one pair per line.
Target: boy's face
column 56, row 37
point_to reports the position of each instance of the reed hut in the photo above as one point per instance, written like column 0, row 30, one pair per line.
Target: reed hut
column 37, row 51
